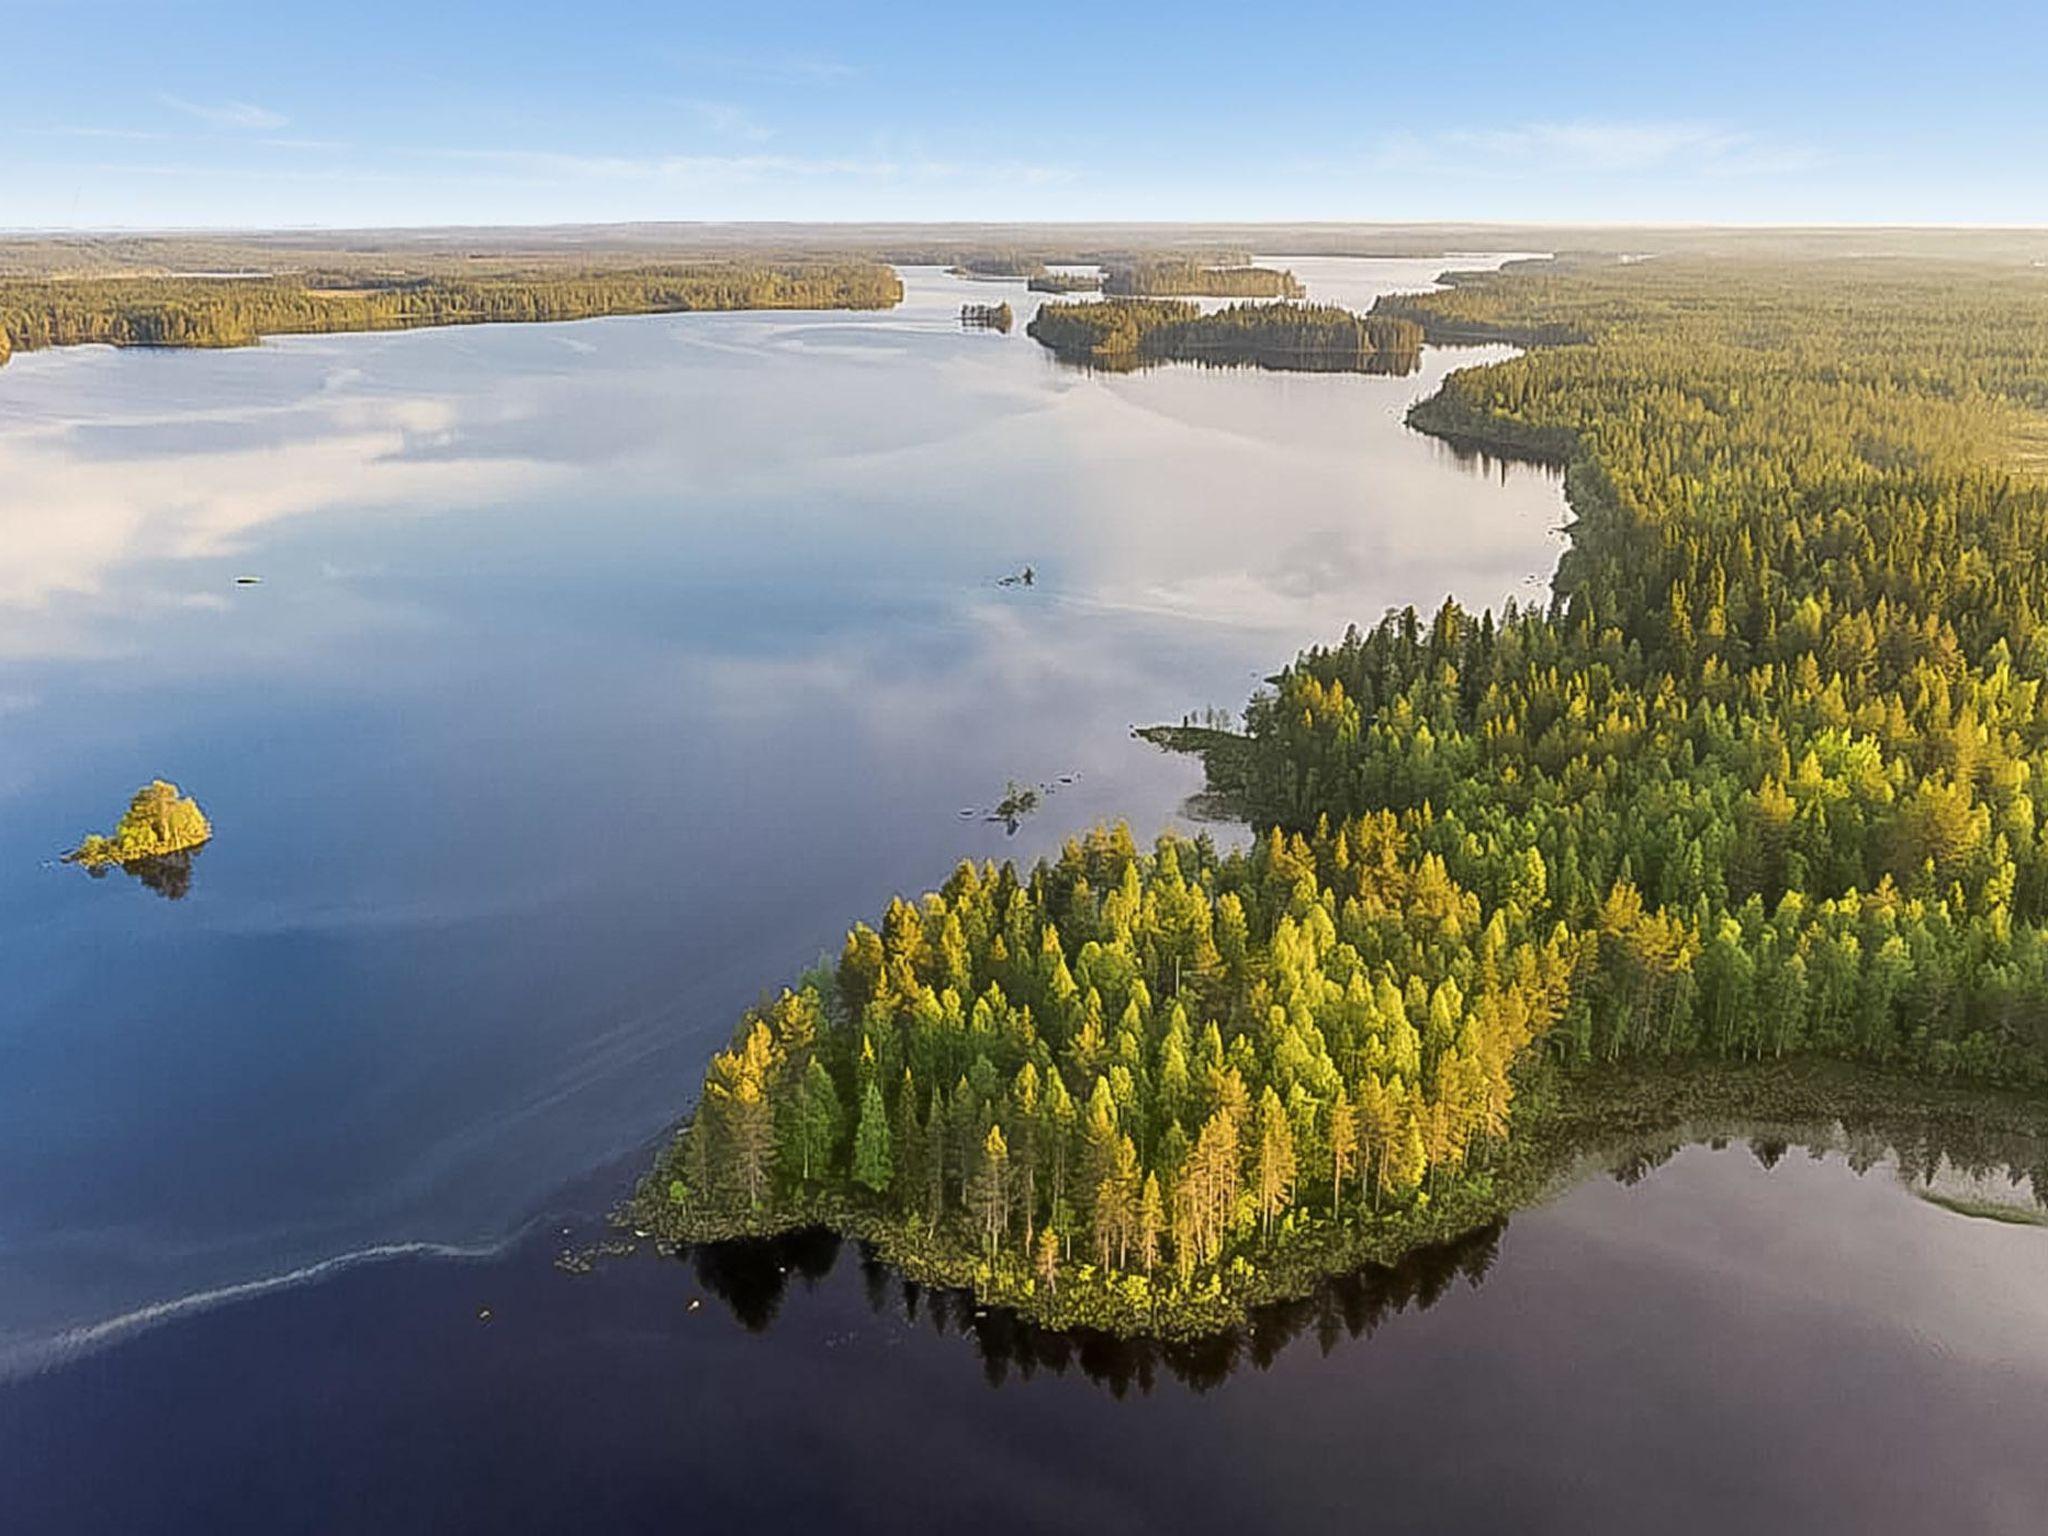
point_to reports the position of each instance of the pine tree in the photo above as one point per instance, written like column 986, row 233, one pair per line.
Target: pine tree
column 1151, row 1218
column 1343, row 1136
column 1273, row 1141
column 1048, row 1258
column 872, row 1165
column 1116, row 1204
column 935, row 1139
column 812, row 1122
column 989, row 1192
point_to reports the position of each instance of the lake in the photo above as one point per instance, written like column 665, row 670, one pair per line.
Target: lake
column 597, row 677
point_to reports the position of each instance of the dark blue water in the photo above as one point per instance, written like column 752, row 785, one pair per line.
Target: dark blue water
column 1718, row 1348
column 598, row 676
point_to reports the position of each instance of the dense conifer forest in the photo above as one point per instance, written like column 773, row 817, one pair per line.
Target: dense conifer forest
column 1752, row 794
column 157, row 311
column 1130, row 333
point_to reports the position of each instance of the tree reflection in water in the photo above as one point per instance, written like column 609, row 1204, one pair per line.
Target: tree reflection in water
column 752, row 1277
column 169, row 874
column 1926, row 1152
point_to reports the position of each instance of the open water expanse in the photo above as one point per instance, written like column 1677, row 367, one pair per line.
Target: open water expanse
column 597, row 677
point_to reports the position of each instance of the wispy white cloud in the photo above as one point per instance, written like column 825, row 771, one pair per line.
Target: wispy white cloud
column 195, row 136
column 226, row 114
column 1593, row 148
column 729, row 121
column 130, row 135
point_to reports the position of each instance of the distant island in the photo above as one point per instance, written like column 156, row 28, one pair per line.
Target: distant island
column 1188, row 279
column 160, row 821
column 1065, row 282
column 237, row 311
column 986, row 317
column 1322, row 338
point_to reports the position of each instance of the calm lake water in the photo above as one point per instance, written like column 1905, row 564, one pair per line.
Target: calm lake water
column 599, row 674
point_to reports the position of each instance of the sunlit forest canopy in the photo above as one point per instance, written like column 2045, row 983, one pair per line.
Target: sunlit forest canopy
column 1121, row 1073
column 159, row 821
column 227, row 311
column 1115, row 333
column 1775, row 741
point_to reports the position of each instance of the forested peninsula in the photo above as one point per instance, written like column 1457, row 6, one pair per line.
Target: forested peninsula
column 1744, row 812
column 1319, row 338
column 236, row 311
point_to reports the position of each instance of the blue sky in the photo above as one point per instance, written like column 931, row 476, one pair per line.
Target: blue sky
column 197, row 114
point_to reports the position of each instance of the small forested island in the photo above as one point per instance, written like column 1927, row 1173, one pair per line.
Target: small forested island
column 160, row 821
column 1189, row 279
column 987, row 317
column 170, row 311
column 1065, row 282
column 1742, row 819
column 1130, row 333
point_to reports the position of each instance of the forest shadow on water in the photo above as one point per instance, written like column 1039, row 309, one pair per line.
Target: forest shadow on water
column 1876, row 1358
column 167, row 874
column 1388, row 365
column 1991, row 1170
column 752, row 1278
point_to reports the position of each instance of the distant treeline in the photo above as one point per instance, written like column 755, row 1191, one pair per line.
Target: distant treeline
column 1128, row 333
column 1161, row 278
column 237, row 311
column 1001, row 264
column 1065, row 282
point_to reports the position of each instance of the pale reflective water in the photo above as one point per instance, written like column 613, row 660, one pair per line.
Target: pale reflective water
column 599, row 674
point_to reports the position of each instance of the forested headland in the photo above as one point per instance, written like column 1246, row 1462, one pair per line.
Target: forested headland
column 1130, row 333
column 1748, row 803
column 152, row 311
column 1774, row 739
column 1190, row 279
column 999, row 264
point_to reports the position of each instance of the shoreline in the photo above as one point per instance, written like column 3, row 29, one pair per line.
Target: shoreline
column 1577, row 1126
column 130, row 315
